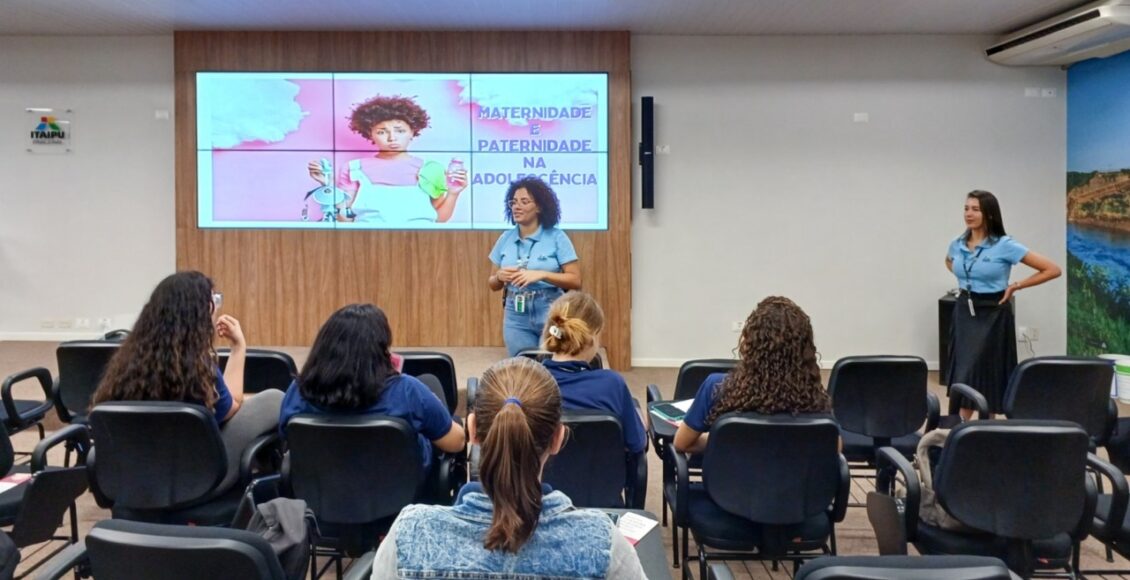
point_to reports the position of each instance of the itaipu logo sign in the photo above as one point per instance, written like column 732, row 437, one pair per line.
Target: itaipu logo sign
column 48, row 132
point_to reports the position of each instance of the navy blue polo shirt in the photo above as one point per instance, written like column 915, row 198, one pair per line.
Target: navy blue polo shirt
column 223, row 402
column 404, row 397
column 703, row 400
column 583, row 387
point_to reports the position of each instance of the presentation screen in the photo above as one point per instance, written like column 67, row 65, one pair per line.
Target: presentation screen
column 397, row 150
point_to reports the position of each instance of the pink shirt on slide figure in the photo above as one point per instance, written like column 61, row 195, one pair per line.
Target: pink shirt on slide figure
column 386, row 190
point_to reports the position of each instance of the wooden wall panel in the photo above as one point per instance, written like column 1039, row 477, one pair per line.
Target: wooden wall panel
column 283, row 284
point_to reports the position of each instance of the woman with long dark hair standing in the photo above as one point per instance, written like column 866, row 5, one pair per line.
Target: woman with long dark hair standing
column 509, row 525
column 983, row 334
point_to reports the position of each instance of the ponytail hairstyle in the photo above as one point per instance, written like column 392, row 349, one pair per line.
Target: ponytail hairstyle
column 572, row 325
column 517, row 415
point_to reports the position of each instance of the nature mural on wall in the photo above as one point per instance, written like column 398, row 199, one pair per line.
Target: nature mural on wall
column 1098, row 206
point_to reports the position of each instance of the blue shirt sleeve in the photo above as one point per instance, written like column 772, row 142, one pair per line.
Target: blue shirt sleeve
column 635, row 440
column 496, row 251
column 429, row 415
column 292, row 404
column 703, row 400
column 223, row 398
column 1012, row 251
column 566, row 253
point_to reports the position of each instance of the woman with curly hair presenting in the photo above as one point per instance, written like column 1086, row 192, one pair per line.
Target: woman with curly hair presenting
column 777, row 373
column 393, row 186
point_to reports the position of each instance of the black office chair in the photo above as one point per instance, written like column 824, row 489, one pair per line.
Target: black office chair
column 773, row 488
column 264, row 369
column 1111, row 527
column 81, row 366
column 1021, row 484
column 34, row 508
column 544, row 355
column 881, row 401
column 356, row 473
column 691, row 376
column 438, row 364
column 163, row 462
column 19, row 414
column 593, row 468
column 1060, row 388
column 902, row 568
column 127, row 550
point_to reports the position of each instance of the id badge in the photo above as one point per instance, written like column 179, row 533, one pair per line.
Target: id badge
column 972, row 311
column 520, row 303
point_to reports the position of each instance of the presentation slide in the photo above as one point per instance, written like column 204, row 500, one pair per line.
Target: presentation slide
column 397, row 150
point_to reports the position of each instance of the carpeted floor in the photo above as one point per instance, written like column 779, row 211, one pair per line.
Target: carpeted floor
column 854, row 535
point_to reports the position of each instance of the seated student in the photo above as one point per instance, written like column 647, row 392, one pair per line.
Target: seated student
column 572, row 334
column 168, row 356
column 508, row 525
column 350, row 372
column 777, row 373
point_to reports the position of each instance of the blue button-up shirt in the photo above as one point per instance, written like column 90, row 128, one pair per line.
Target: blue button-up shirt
column 547, row 250
column 985, row 269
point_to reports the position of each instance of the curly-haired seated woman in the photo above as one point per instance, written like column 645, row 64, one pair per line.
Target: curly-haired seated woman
column 572, row 334
column 168, row 356
column 350, row 372
column 394, row 186
column 777, row 373
column 510, row 525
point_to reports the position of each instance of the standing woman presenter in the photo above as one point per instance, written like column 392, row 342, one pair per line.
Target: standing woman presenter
column 983, row 334
column 534, row 263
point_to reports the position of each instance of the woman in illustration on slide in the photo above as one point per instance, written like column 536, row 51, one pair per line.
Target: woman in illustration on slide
column 393, row 186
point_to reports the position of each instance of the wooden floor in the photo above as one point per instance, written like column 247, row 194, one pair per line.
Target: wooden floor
column 854, row 535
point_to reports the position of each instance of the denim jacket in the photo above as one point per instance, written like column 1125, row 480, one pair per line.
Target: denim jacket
column 446, row 543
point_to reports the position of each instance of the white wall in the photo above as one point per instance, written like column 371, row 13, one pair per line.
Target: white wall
column 90, row 233
column 771, row 188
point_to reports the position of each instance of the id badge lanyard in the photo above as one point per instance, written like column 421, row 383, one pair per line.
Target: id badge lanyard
column 521, row 297
column 967, row 266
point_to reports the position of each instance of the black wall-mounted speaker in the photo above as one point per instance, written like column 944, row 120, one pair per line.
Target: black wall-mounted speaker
column 647, row 151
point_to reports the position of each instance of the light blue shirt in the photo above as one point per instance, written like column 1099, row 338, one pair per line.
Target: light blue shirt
column 985, row 269
column 546, row 250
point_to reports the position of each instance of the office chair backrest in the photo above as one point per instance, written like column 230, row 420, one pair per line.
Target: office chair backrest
column 772, row 469
column 1060, row 388
column 904, row 568
column 125, row 550
column 153, row 455
column 879, row 396
column 352, row 469
column 439, row 364
column 81, row 366
column 265, row 369
column 592, row 465
column 1017, row 479
column 694, row 372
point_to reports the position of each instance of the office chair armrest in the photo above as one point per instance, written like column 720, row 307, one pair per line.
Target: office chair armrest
column 933, row 412
column 268, row 443
column 637, row 470
column 843, row 494
column 77, row 435
column 980, row 403
column 472, row 390
column 45, row 382
column 1119, row 497
column 675, row 467
column 889, row 456
column 720, row 572
column 362, row 568
column 653, row 394
column 63, row 563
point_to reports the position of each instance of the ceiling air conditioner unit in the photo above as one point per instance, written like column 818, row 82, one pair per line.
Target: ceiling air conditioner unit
column 1096, row 30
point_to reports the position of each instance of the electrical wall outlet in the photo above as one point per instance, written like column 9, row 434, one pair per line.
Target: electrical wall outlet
column 1028, row 332
column 82, row 323
column 736, row 326
column 104, row 324
column 47, row 323
column 64, row 323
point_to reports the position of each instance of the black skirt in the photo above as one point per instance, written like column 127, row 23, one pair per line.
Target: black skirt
column 982, row 347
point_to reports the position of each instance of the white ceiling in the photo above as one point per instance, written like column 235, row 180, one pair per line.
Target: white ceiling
column 137, row 17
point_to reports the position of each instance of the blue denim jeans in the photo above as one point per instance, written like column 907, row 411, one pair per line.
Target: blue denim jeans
column 522, row 330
